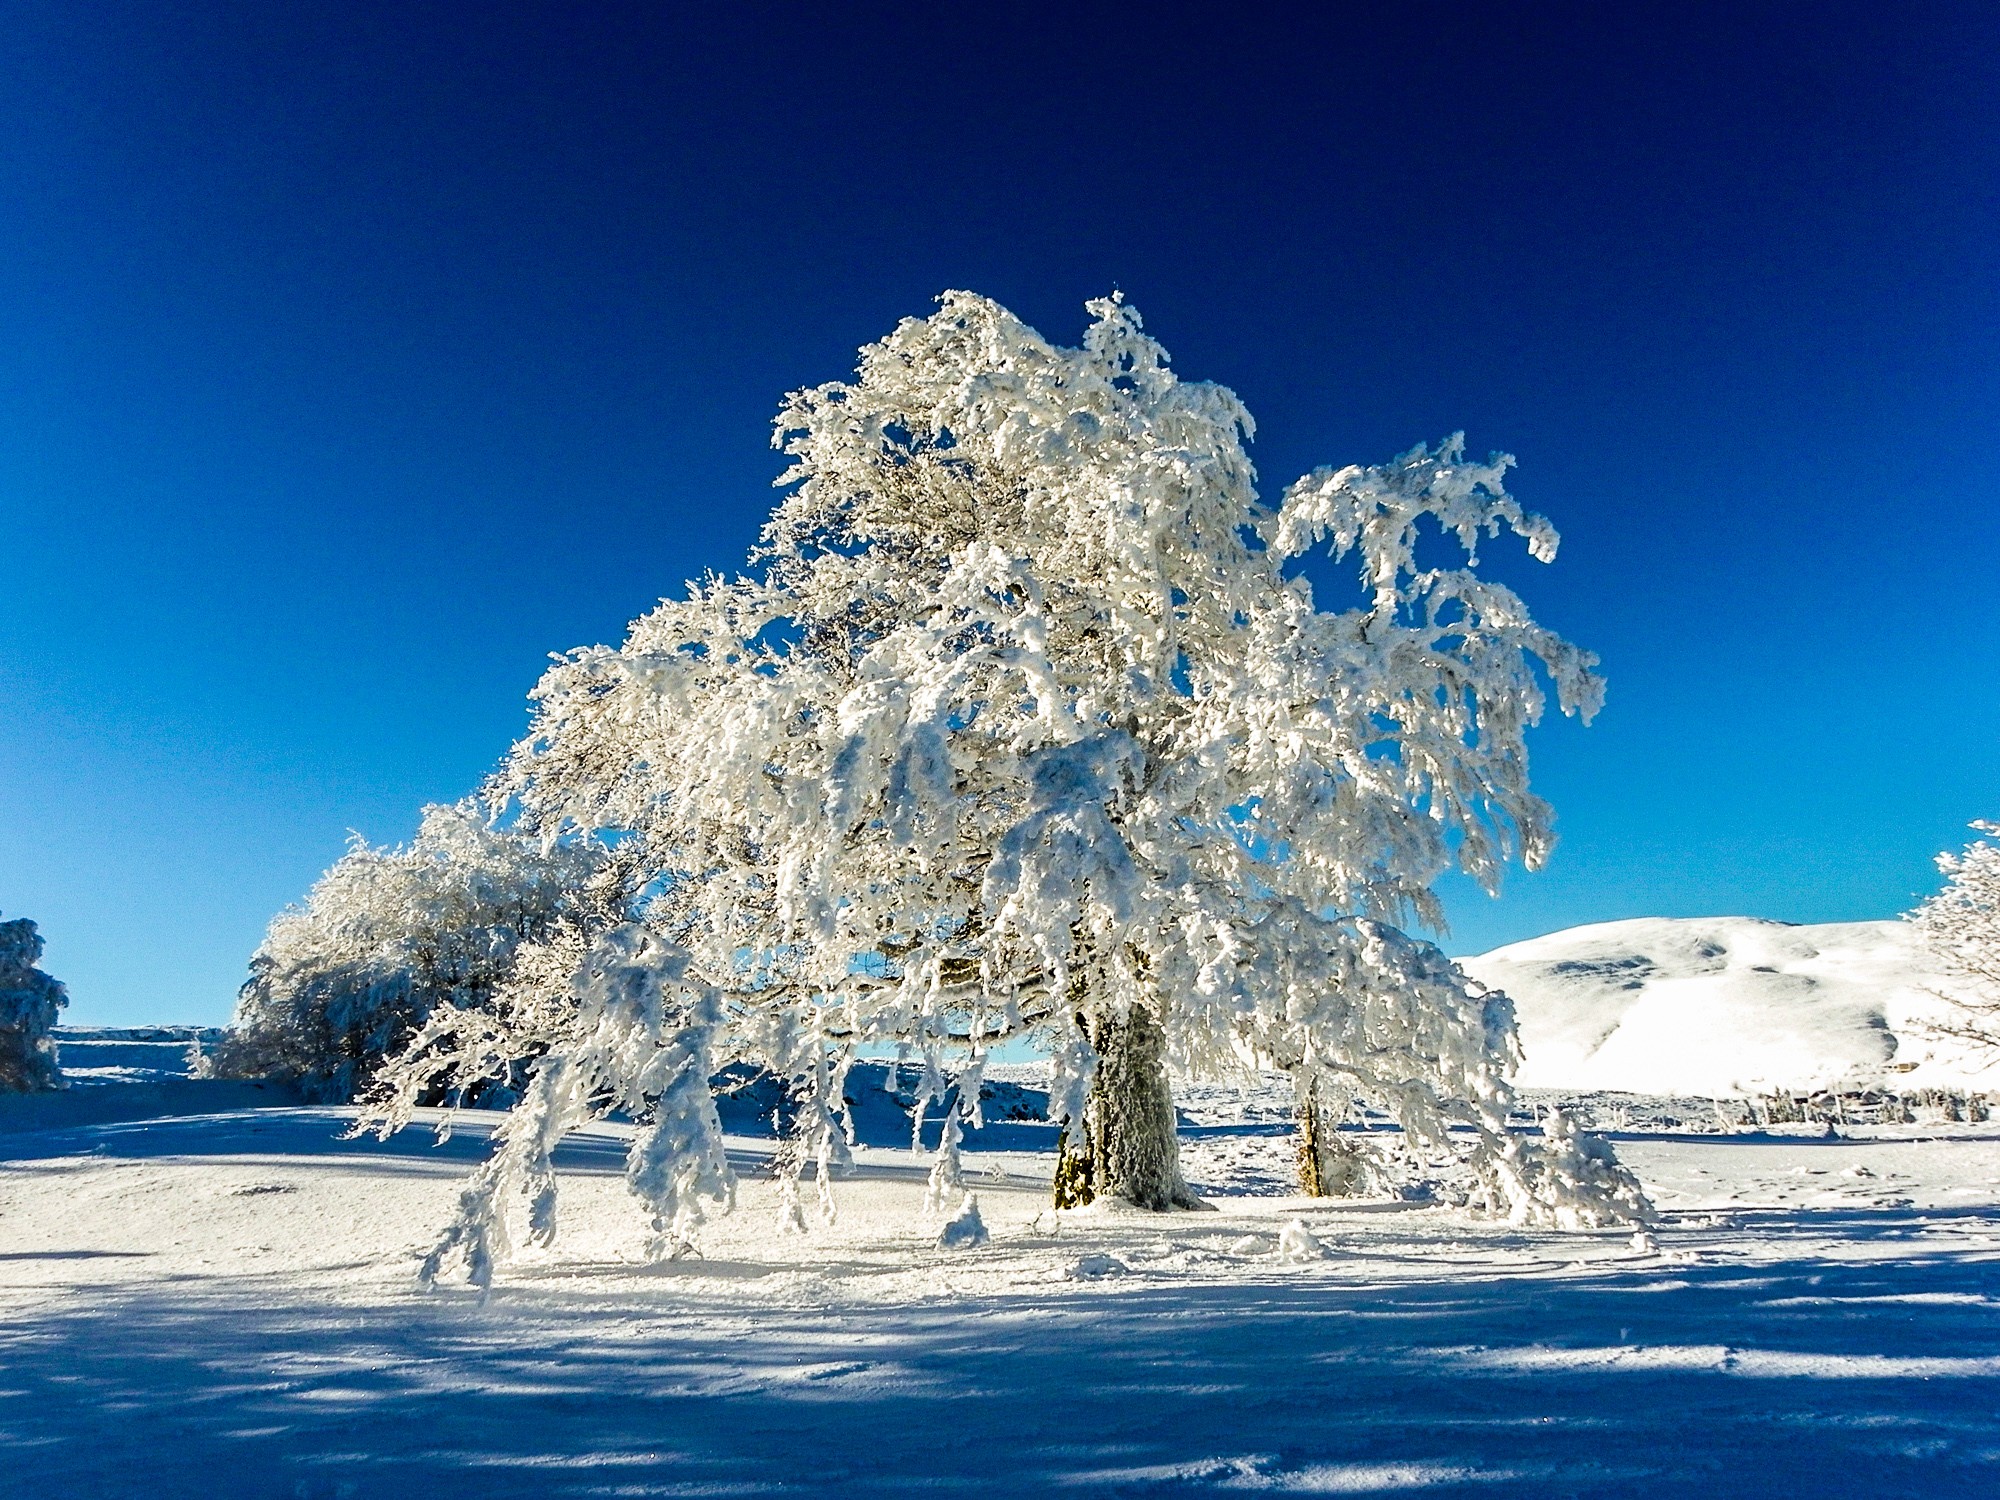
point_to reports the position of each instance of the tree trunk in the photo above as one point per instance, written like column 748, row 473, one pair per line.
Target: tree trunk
column 1075, row 1182
column 1328, row 1166
column 1311, row 1144
column 1127, row 1147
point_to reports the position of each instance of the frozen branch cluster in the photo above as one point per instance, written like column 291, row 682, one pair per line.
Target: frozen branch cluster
column 641, row 1041
column 1025, row 721
column 29, row 1004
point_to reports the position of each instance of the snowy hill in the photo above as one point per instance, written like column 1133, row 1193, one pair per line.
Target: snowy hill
column 1726, row 1005
column 117, row 1073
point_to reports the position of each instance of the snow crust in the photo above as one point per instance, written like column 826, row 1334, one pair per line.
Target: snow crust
column 1727, row 1006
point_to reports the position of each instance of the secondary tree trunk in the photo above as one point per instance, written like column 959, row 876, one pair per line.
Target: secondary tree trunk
column 1311, row 1144
column 1328, row 1166
column 1127, row 1147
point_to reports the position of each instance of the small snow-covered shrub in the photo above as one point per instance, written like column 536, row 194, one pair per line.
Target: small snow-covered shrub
column 391, row 938
column 29, row 1002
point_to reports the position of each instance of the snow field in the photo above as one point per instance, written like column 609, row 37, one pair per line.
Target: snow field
column 224, row 1305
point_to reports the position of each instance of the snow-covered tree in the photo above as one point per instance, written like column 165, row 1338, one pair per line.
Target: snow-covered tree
column 392, row 940
column 29, row 1003
column 1025, row 722
column 1961, row 928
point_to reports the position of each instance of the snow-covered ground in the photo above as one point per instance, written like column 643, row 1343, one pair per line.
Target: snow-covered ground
column 131, row 1054
column 1727, row 1006
column 222, row 1303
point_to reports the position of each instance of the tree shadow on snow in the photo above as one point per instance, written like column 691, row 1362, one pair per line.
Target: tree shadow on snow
column 1643, row 1378
column 304, row 1132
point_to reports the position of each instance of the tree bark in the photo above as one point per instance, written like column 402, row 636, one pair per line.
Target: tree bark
column 1127, row 1147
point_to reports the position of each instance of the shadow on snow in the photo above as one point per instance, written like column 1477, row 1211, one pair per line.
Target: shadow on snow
column 1650, row 1379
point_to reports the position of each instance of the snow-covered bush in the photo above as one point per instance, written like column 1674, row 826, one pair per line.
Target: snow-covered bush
column 1025, row 722
column 29, row 1003
column 392, row 940
column 1961, row 928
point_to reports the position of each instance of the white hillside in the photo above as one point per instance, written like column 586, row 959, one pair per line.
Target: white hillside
column 1724, row 1006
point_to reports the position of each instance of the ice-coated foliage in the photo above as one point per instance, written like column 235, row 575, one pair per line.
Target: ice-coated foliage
column 640, row 1040
column 392, row 939
column 29, row 1003
column 1961, row 929
column 1024, row 720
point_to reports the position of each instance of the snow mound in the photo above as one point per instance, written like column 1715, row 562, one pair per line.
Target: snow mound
column 1098, row 1267
column 1722, row 1006
column 1297, row 1244
column 965, row 1230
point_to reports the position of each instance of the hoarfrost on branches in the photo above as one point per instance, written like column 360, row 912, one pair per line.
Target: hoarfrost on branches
column 1961, row 928
column 641, row 1041
column 393, row 944
column 1024, row 722
column 29, row 1004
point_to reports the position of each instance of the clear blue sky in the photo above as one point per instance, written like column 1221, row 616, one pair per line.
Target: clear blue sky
column 352, row 358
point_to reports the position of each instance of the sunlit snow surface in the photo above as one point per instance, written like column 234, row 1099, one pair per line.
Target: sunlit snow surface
column 222, row 1304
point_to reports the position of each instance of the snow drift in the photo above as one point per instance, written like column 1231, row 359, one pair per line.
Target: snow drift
column 1720, row 1006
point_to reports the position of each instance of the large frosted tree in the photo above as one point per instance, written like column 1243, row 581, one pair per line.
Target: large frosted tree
column 1024, row 720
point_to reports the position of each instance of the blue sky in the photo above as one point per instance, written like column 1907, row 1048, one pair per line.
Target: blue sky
column 354, row 358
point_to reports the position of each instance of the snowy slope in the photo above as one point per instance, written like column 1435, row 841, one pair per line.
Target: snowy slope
column 115, row 1073
column 1725, row 1006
